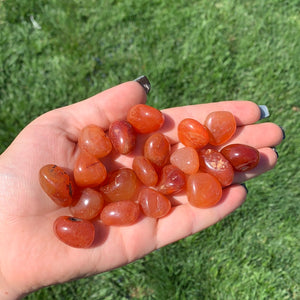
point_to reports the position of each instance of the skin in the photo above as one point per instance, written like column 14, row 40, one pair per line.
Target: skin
column 31, row 256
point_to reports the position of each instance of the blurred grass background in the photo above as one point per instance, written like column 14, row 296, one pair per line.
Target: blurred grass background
column 56, row 52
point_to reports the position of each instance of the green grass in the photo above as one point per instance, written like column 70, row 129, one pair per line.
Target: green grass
column 193, row 52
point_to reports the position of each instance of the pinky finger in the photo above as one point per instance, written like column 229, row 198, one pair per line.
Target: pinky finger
column 267, row 161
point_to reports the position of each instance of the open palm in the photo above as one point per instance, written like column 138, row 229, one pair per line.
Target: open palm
column 32, row 257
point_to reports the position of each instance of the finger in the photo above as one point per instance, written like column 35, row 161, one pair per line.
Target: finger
column 101, row 109
column 257, row 135
column 185, row 219
column 245, row 112
column 108, row 106
column 267, row 161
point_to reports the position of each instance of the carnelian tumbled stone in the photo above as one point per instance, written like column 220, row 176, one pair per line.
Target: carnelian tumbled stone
column 157, row 149
column 203, row 190
column 172, row 180
column 144, row 171
column 120, row 213
column 88, row 170
column 221, row 126
column 153, row 203
column 122, row 136
column 186, row 159
column 57, row 184
column 88, row 205
column 121, row 185
column 213, row 162
column 242, row 157
column 145, row 118
column 74, row 232
column 192, row 133
column 93, row 139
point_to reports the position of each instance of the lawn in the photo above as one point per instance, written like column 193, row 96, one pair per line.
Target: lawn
column 53, row 53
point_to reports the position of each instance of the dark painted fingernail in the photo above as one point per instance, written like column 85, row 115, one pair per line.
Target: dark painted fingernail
column 264, row 112
column 144, row 82
column 275, row 150
column 283, row 132
column 244, row 185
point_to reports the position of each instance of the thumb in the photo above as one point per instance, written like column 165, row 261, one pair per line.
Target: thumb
column 101, row 109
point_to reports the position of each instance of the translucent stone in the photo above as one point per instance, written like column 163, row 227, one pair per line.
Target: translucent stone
column 120, row 213
column 88, row 170
column 145, row 171
column 145, row 119
column 74, row 232
column 57, row 184
column 203, row 190
column 192, row 133
column 213, row 162
column 93, row 139
column 186, row 159
column 153, row 203
column 221, row 126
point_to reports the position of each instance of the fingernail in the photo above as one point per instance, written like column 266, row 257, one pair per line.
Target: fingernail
column 244, row 185
column 275, row 150
column 283, row 132
column 144, row 82
column 264, row 112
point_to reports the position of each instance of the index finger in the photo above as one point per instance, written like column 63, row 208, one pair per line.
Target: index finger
column 100, row 109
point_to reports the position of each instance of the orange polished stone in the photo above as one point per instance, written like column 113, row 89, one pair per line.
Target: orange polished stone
column 153, row 203
column 88, row 170
column 213, row 162
column 172, row 180
column 122, row 136
column 74, row 232
column 120, row 213
column 242, row 157
column 186, row 159
column 221, row 126
column 192, row 133
column 203, row 190
column 93, row 139
column 88, row 205
column 145, row 171
column 145, row 119
column 157, row 149
column 121, row 185
column 57, row 184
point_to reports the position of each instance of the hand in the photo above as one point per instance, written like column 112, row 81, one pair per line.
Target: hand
column 32, row 257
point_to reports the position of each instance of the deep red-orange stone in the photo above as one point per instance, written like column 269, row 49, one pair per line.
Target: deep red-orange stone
column 74, row 232
column 145, row 119
column 93, row 139
column 192, row 133
column 172, row 180
column 57, row 184
column 157, row 149
column 221, row 126
column 186, row 159
column 242, row 157
column 153, row 203
column 122, row 136
column 144, row 171
column 120, row 213
column 213, row 162
column 203, row 190
column 88, row 205
column 122, row 185
column 88, row 170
